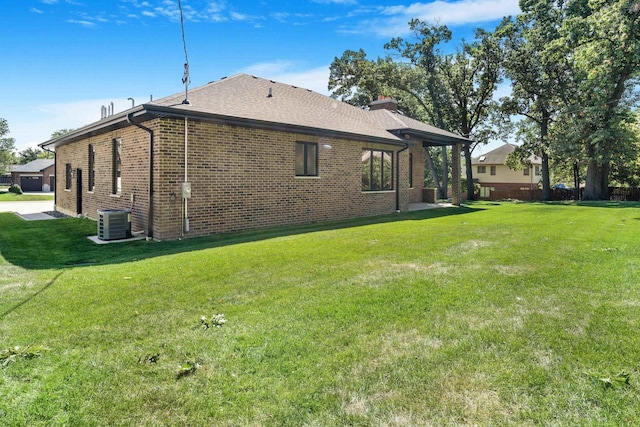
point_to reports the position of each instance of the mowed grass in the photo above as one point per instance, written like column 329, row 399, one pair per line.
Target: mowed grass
column 5, row 196
column 490, row 314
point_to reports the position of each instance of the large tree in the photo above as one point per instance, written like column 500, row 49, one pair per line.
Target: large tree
column 450, row 91
column 537, row 81
column 598, row 41
column 7, row 147
column 30, row 154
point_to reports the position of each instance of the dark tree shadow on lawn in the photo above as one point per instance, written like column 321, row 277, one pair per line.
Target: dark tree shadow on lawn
column 63, row 243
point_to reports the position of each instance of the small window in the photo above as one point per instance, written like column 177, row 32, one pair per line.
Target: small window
column 377, row 170
column 410, row 170
column 493, row 170
column 92, row 172
column 482, row 169
column 538, row 170
column 306, row 159
column 526, row 171
column 117, row 166
column 67, row 176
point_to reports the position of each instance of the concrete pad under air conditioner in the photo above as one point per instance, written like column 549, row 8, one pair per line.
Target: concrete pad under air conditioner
column 98, row 241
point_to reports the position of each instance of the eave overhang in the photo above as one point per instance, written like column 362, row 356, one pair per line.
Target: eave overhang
column 146, row 112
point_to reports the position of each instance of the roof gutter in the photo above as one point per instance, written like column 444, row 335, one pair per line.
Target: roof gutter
column 150, row 192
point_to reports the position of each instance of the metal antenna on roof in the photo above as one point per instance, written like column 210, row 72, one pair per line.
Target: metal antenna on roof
column 185, row 78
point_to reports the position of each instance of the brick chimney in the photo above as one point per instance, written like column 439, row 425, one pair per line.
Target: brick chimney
column 384, row 103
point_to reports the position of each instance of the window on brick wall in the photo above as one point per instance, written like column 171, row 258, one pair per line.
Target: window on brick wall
column 482, row 169
column 377, row 170
column 67, row 176
column 410, row 170
column 117, row 166
column 92, row 172
column 306, row 159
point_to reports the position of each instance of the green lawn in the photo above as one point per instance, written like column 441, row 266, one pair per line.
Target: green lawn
column 5, row 196
column 491, row 314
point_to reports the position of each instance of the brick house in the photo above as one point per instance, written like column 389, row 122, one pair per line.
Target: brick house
column 244, row 153
column 37, row 175
column 491, row 172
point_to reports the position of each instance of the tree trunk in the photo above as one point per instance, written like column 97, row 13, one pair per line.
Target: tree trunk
column 576, row 181
column 596, row 186
column 469, row 170
column 546, row 182
column 434, row 172
column 596, row 182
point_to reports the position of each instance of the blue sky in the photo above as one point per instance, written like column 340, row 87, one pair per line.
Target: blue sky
column 63, row 59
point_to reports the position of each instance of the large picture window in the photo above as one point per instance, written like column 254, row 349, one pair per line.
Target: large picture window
column 92, row 172
column 377, row 170
column 306, row 159
column 117, row 166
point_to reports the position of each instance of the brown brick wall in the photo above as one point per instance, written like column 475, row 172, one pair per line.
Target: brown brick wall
column 241, row 178
column 134, row 175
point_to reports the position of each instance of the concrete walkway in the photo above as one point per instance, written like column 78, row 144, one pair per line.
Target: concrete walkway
column 422, row 206
column 27, row 207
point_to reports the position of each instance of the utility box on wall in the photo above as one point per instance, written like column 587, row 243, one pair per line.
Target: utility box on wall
column 114, row 224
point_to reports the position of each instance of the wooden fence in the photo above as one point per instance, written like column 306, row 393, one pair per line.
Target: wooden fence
column 618, row 194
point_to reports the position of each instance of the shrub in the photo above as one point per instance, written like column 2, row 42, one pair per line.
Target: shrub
column 15, row 189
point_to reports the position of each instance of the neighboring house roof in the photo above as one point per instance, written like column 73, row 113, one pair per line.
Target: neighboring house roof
column 253, row 101
column 499, row 156
column 38, row 165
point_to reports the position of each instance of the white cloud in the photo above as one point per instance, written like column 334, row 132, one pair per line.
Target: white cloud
column 86, row 24
column 289, row 72
column 31, row 125
column 344, row 2
column 34, row 10
column 461, row 12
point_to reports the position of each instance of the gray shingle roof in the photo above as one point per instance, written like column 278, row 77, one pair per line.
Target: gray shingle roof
column 499, row 156
column 37, row 165
column 247, row 97
column 245, row 100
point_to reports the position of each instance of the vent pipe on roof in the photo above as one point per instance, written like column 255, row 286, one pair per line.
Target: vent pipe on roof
column 270, row 93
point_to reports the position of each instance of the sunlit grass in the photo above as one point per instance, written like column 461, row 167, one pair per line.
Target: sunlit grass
column 5, row 196
column 496, row 314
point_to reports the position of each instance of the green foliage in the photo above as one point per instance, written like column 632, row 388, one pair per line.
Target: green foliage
column 189, row 367
column 451, row 91
column 15, row 189
column 60, row 133
column 10, row 355
column 30, row 154
column 7, row 147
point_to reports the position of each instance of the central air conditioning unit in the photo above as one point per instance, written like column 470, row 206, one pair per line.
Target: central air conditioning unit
column 114, row 224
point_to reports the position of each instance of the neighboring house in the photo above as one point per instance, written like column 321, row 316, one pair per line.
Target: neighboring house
column 37, row 175
column 5, row 178
column 491, row 172
column 244, row 153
